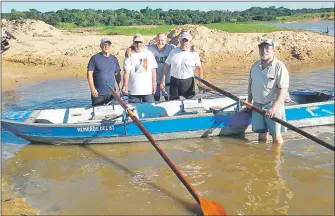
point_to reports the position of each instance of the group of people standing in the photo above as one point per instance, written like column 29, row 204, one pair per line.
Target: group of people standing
column 149, row 70
column 164, row 69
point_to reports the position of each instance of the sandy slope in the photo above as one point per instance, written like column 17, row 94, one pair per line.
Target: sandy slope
column 40, row 44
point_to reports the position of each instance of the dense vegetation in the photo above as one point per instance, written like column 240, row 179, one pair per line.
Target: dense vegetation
column 122, row 17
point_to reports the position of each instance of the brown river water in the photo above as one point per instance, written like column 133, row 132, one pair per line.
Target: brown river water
column 132, row 179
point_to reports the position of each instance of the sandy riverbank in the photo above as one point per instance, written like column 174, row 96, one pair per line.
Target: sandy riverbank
column 47, row 52
column 11, row 204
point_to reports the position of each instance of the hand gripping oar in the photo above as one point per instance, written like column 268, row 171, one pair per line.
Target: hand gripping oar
column 208, row 207
column 262, row 112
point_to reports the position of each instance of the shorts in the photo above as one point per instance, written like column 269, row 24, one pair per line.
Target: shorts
column 262, row 124
column 181, row 87
column 103, row 100
column 141, row 98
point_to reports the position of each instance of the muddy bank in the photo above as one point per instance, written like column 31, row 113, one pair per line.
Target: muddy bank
column 12, row 204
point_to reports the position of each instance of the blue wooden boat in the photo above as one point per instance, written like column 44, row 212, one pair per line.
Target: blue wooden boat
column 191, row 118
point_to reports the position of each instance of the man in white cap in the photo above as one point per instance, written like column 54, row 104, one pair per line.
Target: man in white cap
column 268, row 87
column 139, row 79
column 103, row 67
column 182, row 64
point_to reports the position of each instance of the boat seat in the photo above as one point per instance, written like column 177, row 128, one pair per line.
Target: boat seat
column 44, row 121
column 194, row 106
column 215, row 109
column 106, row 112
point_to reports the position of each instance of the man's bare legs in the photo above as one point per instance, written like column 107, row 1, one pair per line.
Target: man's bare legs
column 262, row 137
column 277, row 139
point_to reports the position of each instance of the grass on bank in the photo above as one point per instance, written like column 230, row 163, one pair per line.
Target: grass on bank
column 129, row 30
column 228, row 27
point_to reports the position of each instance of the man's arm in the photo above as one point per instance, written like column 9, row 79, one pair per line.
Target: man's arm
column 198, row 67
column 283, row 84
column 281, row 95
column 125, row 81
column 94, row 91
column 165, row 72
column 117, row 72
column 199, row 71
column 128, row 51
column 127, row 66
column 118, row 78
column 249, row 88
column 154, row 81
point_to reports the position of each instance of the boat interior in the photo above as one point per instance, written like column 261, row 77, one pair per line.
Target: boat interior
column 162, row 109
column 141, row 110
column 310, row 96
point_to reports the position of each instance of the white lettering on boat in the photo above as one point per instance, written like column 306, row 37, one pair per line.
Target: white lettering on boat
column 95, row 128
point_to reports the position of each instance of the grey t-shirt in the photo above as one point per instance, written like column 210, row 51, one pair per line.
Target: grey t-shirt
column 161, row 56
column 266, row 83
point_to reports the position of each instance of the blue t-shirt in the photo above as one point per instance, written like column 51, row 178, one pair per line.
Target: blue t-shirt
column 104, row 69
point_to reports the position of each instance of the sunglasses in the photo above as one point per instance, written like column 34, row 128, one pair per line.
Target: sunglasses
column 138, row 42
column 184, row 40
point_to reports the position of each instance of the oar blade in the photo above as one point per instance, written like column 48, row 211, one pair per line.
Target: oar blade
column 209, row 207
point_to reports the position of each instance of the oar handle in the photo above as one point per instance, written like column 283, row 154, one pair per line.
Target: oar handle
column 181, row 177
column 262, row 112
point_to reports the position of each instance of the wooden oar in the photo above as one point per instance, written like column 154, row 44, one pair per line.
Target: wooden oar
column 262, row 112
column 208, row 207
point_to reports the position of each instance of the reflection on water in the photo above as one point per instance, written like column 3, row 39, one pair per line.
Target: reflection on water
column 245, row 177
column 301, row 77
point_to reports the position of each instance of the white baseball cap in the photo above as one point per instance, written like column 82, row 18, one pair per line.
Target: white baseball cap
column 104, row 40
column 138, row 38
column 267, row 41
column 186, row 35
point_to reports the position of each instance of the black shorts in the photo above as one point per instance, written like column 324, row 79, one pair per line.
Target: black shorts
column 103, row 100
column 181, row 87
column 141, row 98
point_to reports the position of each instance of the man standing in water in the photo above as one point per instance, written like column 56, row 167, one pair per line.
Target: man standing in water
column 103, row 67
column 268, row 87
column 140, row 73
column 182, row 64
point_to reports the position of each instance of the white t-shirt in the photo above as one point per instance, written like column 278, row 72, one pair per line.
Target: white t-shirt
column 266, row 83
column 183, row 63
column 140, row 77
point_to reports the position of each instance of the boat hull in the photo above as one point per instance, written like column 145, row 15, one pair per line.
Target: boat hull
column 164, row 128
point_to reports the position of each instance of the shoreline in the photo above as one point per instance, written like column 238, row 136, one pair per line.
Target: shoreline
column 12, row 204
column 23, row 75
column 57, row 53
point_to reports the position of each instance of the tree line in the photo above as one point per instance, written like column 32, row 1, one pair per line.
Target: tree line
column 148, row 16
